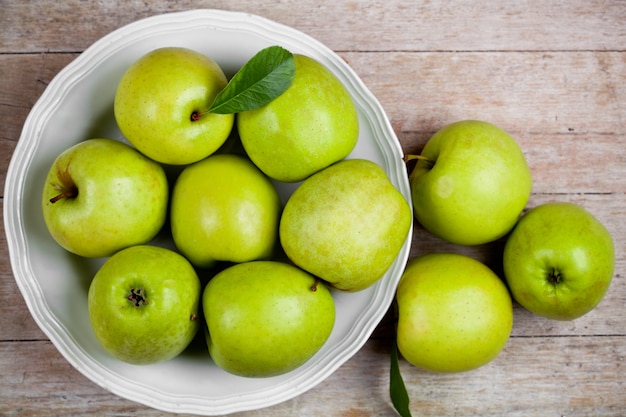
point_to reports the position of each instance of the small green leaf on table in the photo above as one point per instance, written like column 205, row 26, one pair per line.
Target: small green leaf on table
column 397, row 389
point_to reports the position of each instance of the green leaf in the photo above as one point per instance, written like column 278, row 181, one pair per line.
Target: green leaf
column 263, row 78
column 397, row 390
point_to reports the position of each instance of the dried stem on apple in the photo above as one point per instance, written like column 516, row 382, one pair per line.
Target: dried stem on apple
column 71, row 193
column 411, row 157
column 67, row 188
column 197, row 115
column 315, row 284
column 137, row 297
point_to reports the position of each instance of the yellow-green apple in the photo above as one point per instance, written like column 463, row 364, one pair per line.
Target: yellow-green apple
column 224, row 209
column 311, row 125
column 162, row 101
column 345, row 224
column 454, row 313
column 101, row 196
column 559, row 261
column 471, row 183
column 144, row 304
column 266, row 318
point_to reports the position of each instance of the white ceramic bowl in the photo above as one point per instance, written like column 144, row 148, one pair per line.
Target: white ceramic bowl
column 77, row 105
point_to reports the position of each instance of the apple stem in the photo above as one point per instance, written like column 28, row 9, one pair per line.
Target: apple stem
column 67, row 194
column 411, row 157
column 193, row 317
column 315, row 284
column 197, row 115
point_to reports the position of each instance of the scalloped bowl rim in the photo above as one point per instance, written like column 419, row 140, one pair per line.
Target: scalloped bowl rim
column 25, row 251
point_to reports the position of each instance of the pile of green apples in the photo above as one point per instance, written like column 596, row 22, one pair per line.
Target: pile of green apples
column 252, row 272
column 256, row 274
column 470, row 186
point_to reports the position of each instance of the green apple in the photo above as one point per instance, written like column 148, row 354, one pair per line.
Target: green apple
column 162, row 101
column 454, row 313
column 345, row 224
column 266, row 318
column 144, row 304
column 101, row 196
column 313, row 124
column 470, row 184
column 559, row 261
column 224, row 209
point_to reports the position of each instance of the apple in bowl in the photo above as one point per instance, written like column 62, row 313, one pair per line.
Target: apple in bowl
column 144, row 304
column 162, row 101
column 101, row 196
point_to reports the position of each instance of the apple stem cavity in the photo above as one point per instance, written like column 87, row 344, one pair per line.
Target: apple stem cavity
column 554, row 277
column 137, row 297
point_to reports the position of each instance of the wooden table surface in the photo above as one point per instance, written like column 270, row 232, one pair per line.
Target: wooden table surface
column 551, row 73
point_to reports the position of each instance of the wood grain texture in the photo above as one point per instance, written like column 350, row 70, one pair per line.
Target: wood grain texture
column 551, row 73
column 542, row 376
column 463, row 25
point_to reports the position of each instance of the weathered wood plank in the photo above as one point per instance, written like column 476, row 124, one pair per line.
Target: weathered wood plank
column 345, row 26
column 527, row 93
column 15, row 319
column 608, row 208
column 567, row 110
column 548, row 376
column 24, row 79
column 573, row 376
